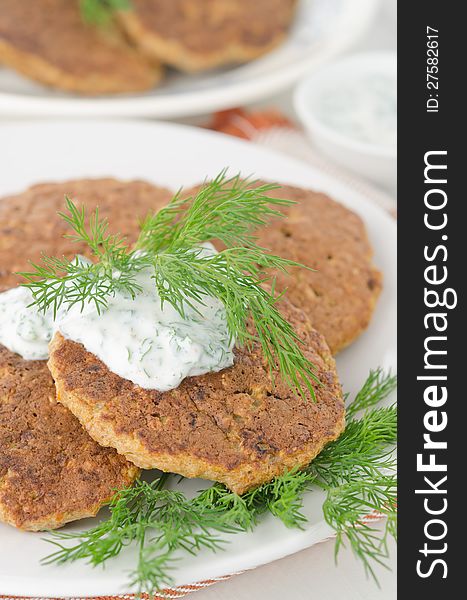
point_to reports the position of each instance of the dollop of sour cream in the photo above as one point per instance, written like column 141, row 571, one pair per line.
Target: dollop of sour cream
column 364, row 109
column 24, row 330
column 150, row 344
column 139, row 339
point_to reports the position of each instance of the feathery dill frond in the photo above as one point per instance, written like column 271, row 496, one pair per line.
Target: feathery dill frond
column 99, row 12
column 357, row 473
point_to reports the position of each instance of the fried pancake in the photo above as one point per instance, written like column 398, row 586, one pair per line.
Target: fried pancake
column 48, row 41
column 233, row 426
column 30, row 225
column 340, row 296
column 51, row 470
column 192, row 35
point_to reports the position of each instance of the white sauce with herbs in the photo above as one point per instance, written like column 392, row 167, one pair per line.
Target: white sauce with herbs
column 149, row 345
column 364, row 109
column 24, row 330
column 137, row 339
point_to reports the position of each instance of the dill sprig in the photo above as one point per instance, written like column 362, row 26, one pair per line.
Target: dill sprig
column 99, row 12
column 376, row 388
column 57, row 281
column 227, row 209
column 357, row 472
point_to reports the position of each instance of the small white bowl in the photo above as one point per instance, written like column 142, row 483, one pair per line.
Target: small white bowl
column 374, row 161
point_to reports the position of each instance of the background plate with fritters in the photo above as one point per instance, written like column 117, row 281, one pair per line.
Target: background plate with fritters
column 174, row 155
column 322, row 29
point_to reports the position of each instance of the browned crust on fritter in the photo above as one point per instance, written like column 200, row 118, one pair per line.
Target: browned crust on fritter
column 195, row 36
column 30, row 225
column 48, row 41
column 341, row 294
column 51, row 470
column 233, row 426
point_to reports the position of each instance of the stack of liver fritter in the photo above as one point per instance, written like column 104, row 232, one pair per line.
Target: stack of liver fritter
column 60, row 462
column 51, row 470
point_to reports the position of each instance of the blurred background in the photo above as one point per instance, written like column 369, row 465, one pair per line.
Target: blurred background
column 312, row 78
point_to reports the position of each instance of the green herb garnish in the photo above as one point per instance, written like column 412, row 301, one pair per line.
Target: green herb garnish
column 99, row 12
column 227, row 209
column 357, row 472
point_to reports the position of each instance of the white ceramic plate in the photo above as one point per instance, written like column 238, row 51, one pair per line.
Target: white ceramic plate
column 175, row 155
column 322, row 29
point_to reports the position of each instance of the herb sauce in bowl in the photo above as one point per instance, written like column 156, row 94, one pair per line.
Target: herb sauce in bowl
column 364, row 109
column 349, row 109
